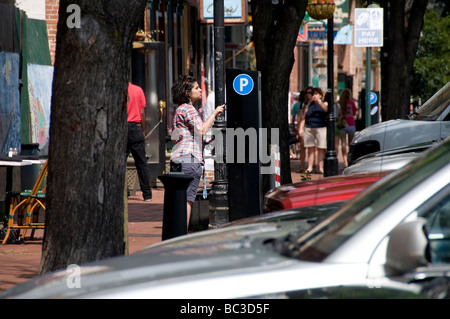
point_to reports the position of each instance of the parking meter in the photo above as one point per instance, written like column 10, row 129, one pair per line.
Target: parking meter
column 243, row 143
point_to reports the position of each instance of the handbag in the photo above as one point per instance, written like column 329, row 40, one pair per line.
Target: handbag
column 341, row 123
column 293, row 138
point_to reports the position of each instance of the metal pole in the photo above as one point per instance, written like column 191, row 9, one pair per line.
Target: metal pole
column 219, row 56
column 331, row 160
column 218, row 203
column 368, row 80
column 368, row 85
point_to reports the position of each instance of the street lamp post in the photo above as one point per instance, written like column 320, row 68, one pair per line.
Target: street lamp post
column 368, row 80
column 218, row 203
column 331, row 161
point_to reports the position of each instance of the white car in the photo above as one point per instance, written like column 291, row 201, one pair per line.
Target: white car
column 430, row 123
column 387, row 237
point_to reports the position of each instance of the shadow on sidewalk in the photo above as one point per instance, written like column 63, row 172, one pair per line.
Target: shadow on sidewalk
column 145, row 212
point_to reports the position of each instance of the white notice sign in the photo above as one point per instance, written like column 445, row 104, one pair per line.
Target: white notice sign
column 369, row 27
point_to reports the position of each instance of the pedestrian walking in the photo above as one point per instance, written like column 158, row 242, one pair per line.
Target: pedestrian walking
column 293, row 126
column 348, row 112
column 188, row 134
column 305, row 99
column 136, row 140
column 313, row 129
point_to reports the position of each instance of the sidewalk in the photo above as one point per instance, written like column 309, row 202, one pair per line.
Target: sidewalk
column 20, row 263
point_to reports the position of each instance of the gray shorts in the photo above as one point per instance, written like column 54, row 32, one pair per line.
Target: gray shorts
column 349, row 130
column 189, row 166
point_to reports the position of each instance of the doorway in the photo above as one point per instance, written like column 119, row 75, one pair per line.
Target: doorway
column 149, row 72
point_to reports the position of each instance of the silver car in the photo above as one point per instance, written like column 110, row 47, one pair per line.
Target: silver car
column 387, row 160
column 379, row 164
column 430, row 123
column 383, row 238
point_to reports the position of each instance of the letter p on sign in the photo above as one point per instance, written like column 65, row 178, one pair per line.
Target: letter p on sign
column 243, row 84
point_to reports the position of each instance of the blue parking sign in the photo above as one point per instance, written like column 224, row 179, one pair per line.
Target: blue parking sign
column 243, row 84
column 373, row 98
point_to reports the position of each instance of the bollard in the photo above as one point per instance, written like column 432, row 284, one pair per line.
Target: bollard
column 174, row 218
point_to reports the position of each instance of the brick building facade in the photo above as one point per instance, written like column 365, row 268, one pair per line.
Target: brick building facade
column 51, row 15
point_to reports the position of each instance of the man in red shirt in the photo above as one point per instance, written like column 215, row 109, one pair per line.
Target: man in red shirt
column 136, row 139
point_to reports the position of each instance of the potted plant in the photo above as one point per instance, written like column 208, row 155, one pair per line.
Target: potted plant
column 320, row 9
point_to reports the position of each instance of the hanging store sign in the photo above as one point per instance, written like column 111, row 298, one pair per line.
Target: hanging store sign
column 319, row 34
column 345, row 35
column 235, row 11
column 302, row 35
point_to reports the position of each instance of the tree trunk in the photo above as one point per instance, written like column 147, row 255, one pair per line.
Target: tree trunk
column 398, row 55
column 275, row 34
column 86, row 176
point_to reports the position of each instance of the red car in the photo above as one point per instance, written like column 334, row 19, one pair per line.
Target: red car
column 321, row 191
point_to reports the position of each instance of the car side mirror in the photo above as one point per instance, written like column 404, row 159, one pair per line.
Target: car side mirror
column 408, row 247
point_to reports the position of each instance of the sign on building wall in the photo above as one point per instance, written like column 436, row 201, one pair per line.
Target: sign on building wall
column 9, row 102
column 369, row 27
column 35, row 9
column 340, row 16
column 235, row 11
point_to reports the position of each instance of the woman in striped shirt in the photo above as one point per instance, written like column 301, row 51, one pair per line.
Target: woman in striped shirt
column 188, row 132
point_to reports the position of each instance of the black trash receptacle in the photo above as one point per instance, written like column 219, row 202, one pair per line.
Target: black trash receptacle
column 174, row 218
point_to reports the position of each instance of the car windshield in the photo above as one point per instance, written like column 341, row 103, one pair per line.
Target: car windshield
column 435, row 106
column 321, row 241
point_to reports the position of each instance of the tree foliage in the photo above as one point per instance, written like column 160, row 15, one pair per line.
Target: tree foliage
column 432, row 64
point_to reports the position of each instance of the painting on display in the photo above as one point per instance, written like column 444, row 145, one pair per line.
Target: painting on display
column 235, row 11
column 40, row 79
column 9, row 102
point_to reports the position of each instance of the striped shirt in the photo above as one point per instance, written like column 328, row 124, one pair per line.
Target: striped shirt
column 187, row 133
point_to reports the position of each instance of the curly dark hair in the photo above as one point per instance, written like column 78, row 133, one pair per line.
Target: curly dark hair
column 317, row 90
column 181, row 89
